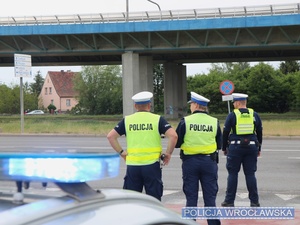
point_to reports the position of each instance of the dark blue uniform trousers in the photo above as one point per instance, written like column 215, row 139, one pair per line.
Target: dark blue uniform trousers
column 148, row 177
column 241, row 155
column 200, row 168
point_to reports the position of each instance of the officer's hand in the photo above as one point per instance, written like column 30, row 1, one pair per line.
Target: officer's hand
column 166, row 159
column 225, row 152
column 123, row 155
column 258, row 154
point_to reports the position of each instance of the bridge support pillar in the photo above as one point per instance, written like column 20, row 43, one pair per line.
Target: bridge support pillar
column 146, row 75
column 175, row 97
column 137, row 76
column 182, row 92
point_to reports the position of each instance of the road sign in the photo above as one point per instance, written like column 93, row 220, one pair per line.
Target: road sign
column 22, row 69
column 227, row 98
column 22, row 65
column 226, row 87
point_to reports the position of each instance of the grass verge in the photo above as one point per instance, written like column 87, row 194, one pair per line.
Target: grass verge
column 273, row 124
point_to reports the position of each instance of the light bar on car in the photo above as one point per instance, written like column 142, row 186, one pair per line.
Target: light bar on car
column 58, row 167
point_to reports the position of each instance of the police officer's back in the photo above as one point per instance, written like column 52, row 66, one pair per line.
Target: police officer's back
column 143, row 131
column 242, row 139
column 199, row 138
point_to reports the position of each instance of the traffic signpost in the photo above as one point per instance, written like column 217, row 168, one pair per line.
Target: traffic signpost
column 22, row 65
column 22, row 69
column 226, row 88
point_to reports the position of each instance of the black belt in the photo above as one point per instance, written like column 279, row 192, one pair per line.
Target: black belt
column 213, row 155
column 201, row 154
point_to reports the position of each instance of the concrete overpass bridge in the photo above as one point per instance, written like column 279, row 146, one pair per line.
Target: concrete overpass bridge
column 141, row 39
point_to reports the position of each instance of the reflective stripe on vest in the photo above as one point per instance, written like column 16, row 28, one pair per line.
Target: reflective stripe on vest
column 200, row 136
column 143, row 138
column 244, row 122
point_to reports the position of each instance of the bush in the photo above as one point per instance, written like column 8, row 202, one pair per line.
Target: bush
column 51, row 108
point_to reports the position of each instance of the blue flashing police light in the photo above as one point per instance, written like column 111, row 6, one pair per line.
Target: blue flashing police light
column 58, row 167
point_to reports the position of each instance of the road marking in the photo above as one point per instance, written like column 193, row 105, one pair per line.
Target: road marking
column 241, row 203
column 72, row 150
column 293, row 157
column 50, row 150
column 169, row 192
column 287, row 197
column 242, row 195
column 53, row 189
column 279, row 150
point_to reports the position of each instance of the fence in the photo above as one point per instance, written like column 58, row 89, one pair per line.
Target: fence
column 152, row 15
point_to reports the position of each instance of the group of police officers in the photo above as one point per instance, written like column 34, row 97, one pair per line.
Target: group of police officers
column 199, row 138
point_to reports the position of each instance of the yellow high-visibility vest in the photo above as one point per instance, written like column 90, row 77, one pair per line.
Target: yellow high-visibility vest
column 244, row 122
column 200, row 136
column 143, row 138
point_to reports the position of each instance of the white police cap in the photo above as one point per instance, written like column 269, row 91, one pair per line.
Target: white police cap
column 199, row 99
column 142, row 97
column 239, row 96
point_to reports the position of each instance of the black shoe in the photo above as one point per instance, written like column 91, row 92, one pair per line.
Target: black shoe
column 26, row 185
column 253, row 204
column 226, row 204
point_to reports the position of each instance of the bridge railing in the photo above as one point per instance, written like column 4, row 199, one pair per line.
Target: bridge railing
column 152, row 15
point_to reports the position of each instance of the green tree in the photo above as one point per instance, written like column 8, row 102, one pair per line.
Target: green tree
column 266, row 89
column 10, row 99
column 291, row 84
column 296, row 91
column 13, row 100
column 208, row 86
column 36, row 87
column 100, row 89
column 158, row 88
column 289, row 67
column 229, row 67
column 6, row 99
column 264, row 84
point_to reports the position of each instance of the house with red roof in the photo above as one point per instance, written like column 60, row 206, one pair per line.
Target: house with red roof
column 58, row 89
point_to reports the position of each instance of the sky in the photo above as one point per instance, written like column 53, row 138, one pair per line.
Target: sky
column 69, row 7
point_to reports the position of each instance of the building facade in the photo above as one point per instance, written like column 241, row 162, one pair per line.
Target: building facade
column 58, row 89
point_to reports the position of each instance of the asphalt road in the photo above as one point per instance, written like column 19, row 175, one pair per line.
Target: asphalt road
column 278, row 167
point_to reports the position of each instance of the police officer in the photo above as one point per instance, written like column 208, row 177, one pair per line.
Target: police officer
column 199, row 138
column 243, row 133
column 143, row 131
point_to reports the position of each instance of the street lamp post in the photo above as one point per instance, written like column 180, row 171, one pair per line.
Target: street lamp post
column 157, row 6
column 127, row 8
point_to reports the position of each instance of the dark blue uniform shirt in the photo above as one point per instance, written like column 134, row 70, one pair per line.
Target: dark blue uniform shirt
column 230, row 126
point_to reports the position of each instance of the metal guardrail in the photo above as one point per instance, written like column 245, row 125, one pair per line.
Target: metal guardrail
column 152, row 15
